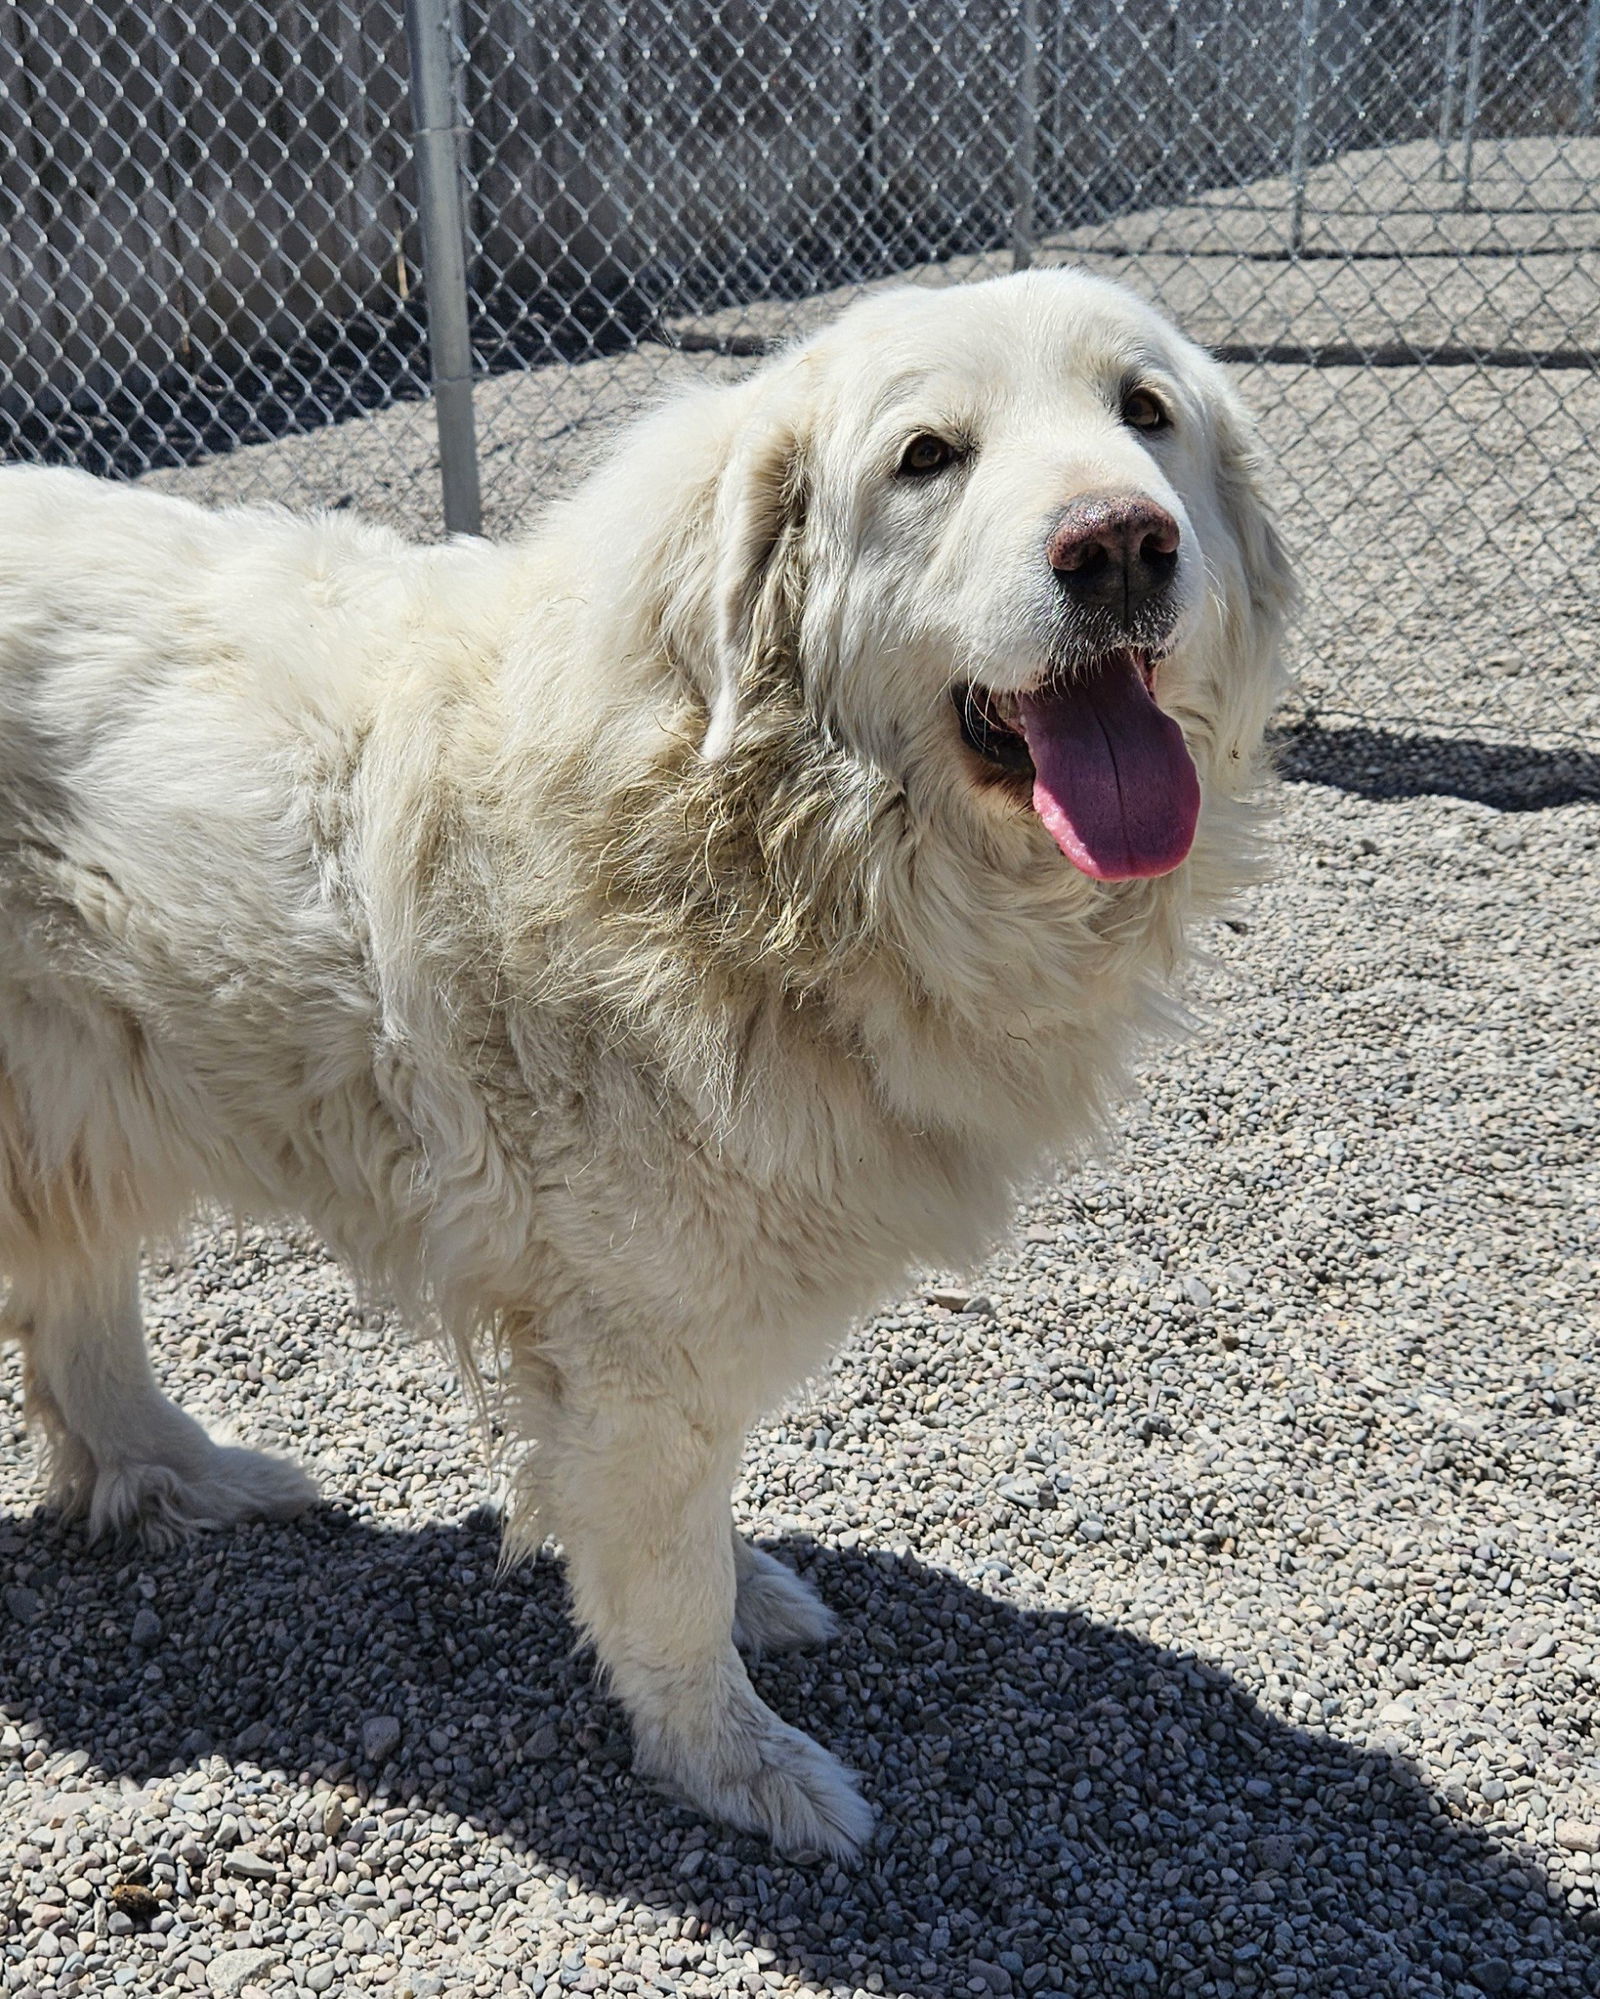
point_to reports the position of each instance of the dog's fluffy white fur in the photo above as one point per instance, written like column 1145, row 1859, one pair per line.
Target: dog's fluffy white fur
column 606, row 939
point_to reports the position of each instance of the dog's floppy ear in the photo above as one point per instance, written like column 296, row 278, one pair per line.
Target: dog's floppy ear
column 1257, row 613
column 1268, row 576
column 760, row 510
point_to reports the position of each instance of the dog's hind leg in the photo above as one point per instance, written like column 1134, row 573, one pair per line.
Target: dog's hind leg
column 774, row 1610
column 640, row 1479
column 120, row 1455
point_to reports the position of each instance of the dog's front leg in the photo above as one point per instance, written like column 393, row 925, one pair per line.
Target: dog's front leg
column 638, row 1484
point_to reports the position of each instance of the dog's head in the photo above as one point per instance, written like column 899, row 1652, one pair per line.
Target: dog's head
column 1007, row 543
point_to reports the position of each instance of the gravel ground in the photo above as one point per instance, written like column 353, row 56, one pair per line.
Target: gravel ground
column 1220, row 1589
column 1221, row 1601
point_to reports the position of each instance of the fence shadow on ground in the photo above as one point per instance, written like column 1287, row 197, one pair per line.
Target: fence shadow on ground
column 1053, row 1789
column 1392, row 763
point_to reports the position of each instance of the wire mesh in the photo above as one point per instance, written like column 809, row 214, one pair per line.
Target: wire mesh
column 1387, row 219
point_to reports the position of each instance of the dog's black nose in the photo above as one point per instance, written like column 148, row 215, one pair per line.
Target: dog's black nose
column 1114, row 552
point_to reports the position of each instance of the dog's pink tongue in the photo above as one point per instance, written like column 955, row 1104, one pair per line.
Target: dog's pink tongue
column 1113, row 778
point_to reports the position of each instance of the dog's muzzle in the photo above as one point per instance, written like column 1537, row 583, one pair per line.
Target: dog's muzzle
column 1115, row 557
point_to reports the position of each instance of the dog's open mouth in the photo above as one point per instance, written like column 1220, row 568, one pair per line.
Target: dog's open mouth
column 1107, row 770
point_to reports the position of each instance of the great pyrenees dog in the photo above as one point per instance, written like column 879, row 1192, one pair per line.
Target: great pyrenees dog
column 635, row 947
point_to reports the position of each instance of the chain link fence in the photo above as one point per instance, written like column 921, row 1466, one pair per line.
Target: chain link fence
column 216, row 256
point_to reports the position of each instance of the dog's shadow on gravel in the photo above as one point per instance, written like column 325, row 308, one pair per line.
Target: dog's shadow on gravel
column 1386, row 764
column 1063, row 1807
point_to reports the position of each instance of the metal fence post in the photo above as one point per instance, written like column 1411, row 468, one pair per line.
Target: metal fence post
column 1300, row 149
column 1024, row 213
column 1469, row 113
column 437, row 129
column 1452, row 76
column 1590, row 67
column 871, row 62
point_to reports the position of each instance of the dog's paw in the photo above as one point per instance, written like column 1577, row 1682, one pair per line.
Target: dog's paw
column 162, row 1504
column 776, row 1609
column 753, row 1771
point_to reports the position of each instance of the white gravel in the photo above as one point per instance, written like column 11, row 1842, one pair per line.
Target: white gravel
column 1220, row 1590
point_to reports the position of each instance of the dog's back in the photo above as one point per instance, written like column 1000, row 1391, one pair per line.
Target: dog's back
column 186, row 699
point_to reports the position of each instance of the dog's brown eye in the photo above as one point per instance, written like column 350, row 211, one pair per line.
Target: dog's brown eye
column 1143, row 411
column 926, row 454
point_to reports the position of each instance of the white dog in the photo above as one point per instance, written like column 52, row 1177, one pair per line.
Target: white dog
column 635, row 947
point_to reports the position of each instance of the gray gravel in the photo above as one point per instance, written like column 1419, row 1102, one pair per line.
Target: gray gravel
column 1219, row 1587
column 1219, row 1570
